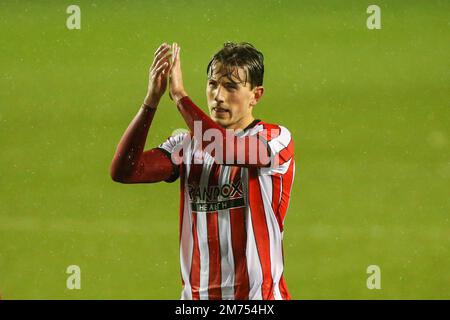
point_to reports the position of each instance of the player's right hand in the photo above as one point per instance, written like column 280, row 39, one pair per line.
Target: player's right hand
column 158, row 73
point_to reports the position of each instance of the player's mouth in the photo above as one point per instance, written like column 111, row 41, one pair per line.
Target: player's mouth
column 220, row 111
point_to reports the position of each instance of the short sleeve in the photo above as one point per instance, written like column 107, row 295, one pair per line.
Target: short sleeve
column 281, row 148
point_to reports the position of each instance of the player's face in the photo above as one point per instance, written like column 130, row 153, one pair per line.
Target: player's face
column 230, row 98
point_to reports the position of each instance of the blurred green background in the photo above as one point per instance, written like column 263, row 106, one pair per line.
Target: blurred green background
column 369, row 111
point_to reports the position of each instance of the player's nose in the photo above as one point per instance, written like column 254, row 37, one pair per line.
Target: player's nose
column 218, row 95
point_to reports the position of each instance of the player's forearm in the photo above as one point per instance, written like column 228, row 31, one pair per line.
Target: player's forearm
column 246, row 151
column 132, row 143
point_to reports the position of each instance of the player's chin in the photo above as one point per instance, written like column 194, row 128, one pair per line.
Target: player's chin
column 221, row 122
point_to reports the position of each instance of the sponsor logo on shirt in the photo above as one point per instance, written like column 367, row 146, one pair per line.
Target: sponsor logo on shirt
column 214, row 198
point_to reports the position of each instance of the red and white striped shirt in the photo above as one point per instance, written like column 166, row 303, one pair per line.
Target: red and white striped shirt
column 231, row 220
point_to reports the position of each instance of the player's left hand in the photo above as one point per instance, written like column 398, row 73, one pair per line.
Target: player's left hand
column 176, row 87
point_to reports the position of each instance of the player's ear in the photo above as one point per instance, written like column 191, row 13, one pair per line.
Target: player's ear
column 257, row 94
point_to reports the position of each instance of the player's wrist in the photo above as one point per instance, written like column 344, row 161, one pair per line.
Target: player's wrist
column 151, row 101
column 178, row 95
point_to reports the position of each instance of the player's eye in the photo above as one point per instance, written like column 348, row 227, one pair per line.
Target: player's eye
column 230, row 86
column 212, row 83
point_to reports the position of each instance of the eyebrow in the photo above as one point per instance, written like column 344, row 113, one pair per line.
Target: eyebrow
column 230, row 80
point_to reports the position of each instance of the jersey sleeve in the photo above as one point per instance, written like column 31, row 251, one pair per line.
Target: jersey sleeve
column 281, row 148
column 171, row 147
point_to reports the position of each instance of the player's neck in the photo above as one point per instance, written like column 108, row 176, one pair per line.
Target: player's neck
column 242, row 124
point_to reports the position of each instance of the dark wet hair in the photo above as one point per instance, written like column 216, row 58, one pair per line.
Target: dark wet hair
column 243, row 55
